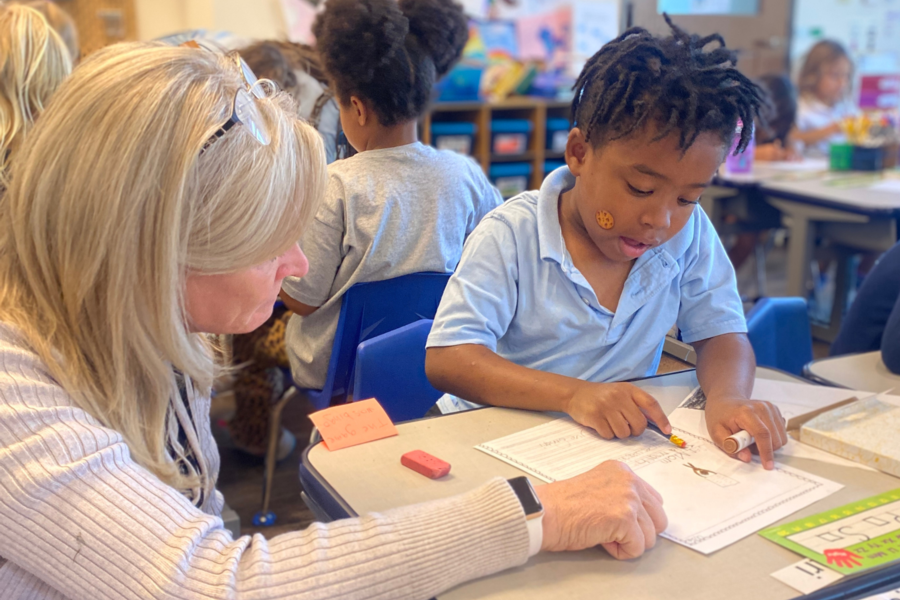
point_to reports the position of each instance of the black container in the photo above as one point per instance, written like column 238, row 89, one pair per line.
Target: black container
column 867, row 159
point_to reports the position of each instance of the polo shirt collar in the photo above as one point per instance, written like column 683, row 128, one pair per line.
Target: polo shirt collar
column 550, row 240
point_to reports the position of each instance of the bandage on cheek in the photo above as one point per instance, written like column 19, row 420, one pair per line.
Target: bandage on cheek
column 605, row 219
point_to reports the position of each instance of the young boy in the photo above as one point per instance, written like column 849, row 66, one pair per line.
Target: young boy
column 561, row 291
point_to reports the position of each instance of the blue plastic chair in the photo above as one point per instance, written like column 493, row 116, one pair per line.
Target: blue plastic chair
column 368, row 310
column 391, row 369
column 779, row 332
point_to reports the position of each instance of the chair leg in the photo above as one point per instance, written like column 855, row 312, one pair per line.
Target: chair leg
column 264, row 517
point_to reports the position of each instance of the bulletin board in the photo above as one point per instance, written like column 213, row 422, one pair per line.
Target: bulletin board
column 869, row 29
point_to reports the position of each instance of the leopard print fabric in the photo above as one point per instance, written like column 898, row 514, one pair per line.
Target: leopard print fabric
column 260, row 382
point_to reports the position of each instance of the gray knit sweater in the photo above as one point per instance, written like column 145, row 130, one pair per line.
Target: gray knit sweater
column 79, row 519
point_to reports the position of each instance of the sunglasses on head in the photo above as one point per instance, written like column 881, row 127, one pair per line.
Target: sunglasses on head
column 244, row 110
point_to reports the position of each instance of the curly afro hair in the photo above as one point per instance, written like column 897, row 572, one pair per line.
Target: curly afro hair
column 390, row 52
column 638, row 77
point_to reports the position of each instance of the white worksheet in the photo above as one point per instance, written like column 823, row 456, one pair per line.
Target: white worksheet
column 711, row 499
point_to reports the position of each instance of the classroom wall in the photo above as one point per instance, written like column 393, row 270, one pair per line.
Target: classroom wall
column 761, row 39
column 255, row 20
column 156, row 18
column 260, row 19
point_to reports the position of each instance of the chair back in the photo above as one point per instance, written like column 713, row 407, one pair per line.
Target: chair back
column 371, row 309
column 780, row 334
column 391, row 369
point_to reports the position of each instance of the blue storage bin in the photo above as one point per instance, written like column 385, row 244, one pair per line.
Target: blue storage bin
column 458, row 137
column 557, row 134
column 510, row 178
column 552, row 165
column 510, row 136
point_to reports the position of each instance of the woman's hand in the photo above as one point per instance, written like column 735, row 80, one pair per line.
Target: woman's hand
column 608, row 506
column 615, row 410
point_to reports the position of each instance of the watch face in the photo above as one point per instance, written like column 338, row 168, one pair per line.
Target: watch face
column 530, row 503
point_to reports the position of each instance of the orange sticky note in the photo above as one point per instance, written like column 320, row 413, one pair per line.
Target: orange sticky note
column 352, row 424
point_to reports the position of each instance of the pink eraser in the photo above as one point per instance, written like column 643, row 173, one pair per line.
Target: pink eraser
column 424, row 463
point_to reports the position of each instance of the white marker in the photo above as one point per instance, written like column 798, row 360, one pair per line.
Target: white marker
column 737, row 442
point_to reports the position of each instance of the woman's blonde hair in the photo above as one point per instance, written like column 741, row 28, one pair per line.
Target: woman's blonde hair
column 822, row 54
column 34, row 62
column 112, row 204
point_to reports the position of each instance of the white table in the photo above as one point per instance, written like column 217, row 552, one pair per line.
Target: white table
column 370, row 478
column 865, row 372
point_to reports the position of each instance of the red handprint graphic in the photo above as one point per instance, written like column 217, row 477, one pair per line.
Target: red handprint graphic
column 842, row 558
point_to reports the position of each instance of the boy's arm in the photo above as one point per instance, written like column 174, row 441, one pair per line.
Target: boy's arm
column 726, row 369
column 476, row 373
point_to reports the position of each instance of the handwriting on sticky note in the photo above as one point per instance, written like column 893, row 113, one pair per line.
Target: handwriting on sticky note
column 352, row 424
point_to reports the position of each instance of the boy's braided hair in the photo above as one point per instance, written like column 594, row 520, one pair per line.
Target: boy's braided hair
column 638, row 77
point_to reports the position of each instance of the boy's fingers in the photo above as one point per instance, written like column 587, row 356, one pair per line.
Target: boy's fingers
column 755, row 426
column 651, row 408
column 636, row 419
column 602, row 428
column 619, row 425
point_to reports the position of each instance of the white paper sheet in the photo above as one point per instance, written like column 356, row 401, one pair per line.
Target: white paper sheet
column 711, row 500
column 887, row 185
column 807, row 576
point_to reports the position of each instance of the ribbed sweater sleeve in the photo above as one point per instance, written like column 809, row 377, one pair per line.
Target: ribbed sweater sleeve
column 80, row 518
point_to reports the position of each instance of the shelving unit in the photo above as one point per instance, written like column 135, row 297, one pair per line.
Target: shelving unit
column 536, row 110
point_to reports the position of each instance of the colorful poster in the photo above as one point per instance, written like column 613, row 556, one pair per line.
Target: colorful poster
column 850, row 538
column 546, row 38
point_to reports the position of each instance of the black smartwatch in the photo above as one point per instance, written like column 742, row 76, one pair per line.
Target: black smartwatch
column 534, row 511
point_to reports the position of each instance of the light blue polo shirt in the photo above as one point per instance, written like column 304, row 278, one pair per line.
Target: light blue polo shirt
column 517, row 292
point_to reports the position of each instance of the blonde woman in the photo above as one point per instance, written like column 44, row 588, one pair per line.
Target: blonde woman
column 34, row 61
column 158, row 199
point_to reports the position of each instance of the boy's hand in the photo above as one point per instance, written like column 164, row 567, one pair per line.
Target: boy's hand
column 762, row 420
column 616, row 410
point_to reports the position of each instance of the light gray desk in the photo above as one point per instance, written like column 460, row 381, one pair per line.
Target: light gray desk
column 370, row 478
column 865, row 371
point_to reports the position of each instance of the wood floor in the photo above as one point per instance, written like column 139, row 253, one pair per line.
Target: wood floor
column 241, row 476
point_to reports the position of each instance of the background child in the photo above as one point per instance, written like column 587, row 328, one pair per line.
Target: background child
column 398, row 206
column 562, row 291
column 825, row 82
column 296, row 70
column 773, row 133
column 34, row 62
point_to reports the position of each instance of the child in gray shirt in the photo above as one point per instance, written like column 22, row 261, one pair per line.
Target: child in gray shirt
column 397, row 207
